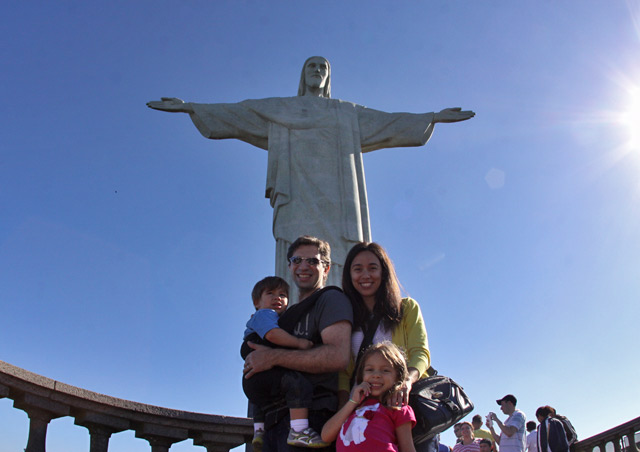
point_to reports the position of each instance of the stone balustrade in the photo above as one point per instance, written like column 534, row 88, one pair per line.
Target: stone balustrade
column 44, row 399
column 615, row 436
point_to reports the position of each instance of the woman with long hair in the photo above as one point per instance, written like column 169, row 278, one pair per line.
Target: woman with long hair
column 369, row 280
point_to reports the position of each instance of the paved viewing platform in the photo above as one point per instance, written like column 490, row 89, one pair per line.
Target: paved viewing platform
column 44, row 399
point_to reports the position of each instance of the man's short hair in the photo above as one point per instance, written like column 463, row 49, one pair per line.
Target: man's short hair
column 477, row 418
column 531, row 426
column 324, row 249
column 544, row 411
column 268, row 283
column 508, row 398
column 485, row 441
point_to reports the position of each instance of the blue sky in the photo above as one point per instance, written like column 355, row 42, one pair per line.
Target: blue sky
column 129, row 244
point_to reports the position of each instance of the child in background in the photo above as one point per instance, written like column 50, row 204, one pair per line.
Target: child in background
column 365, row 423
column 270, row 298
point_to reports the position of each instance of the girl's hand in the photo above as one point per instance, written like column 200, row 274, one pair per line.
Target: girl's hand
column 360, row 392
column 401, row 396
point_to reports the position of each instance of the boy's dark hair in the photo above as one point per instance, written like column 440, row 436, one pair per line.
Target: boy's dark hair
column 485, row 441
column 268, row 283
column 324, row 249
column 545, row 411
column 477, row 418
column 531, row 426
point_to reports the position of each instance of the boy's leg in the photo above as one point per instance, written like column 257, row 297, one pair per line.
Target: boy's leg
column 264, row 388
column 276, row 436
column 297, row 390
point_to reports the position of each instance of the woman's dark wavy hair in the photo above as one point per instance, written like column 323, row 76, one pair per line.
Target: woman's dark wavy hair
column 388, row 298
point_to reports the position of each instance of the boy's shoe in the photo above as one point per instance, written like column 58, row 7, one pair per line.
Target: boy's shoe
column 258, row 440
column 306, row 438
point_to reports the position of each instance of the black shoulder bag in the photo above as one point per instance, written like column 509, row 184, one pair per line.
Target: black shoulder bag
column 438, row 402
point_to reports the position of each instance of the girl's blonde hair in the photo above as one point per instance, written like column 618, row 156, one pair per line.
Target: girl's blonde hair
column 394, row 355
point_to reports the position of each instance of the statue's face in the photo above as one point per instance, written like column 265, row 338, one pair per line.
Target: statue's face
column 316, row 72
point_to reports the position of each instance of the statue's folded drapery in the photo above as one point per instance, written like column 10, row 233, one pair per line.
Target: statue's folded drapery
column 315, row 177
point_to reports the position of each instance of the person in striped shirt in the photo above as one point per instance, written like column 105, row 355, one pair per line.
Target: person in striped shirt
column 469, row 442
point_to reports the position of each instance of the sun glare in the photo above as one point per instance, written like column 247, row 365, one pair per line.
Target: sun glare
column 630, row 118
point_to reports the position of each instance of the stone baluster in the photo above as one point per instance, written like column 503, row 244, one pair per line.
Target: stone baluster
column 41, row 411
column 101, row 427
column 161, row 438
column 219, row 442
column 617, row 440
column 631, row 436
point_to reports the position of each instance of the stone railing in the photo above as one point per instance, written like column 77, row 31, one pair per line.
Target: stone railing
column 615, row 436
column 44, row 399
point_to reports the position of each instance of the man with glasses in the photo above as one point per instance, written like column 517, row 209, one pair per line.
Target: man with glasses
column 326, row 321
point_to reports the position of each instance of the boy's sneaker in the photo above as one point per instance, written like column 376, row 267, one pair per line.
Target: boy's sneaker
column 306, row 438
column 258, row 440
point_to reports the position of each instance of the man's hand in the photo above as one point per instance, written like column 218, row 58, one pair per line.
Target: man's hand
column 258, row 360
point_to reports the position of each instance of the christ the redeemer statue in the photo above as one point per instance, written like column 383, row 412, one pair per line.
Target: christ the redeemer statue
column 315, row 176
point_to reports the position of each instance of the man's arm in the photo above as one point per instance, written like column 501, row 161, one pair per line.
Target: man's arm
column 508, row 430
column 331, row 356
column 496, row 437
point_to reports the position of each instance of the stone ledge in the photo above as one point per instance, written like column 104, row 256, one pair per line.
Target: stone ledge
column 118, row 414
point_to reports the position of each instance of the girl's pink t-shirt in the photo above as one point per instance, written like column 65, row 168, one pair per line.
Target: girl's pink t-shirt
column 372, row 427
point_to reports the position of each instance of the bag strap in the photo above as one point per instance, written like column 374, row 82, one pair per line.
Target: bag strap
column 294, row 314
column 369, row 332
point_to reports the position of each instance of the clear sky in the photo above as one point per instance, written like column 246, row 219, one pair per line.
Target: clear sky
column 129, row 244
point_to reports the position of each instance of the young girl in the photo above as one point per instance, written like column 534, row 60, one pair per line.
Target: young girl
column 365, row 423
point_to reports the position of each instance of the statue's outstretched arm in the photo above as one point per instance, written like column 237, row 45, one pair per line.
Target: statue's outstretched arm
column 171, row 104
column 453, row 115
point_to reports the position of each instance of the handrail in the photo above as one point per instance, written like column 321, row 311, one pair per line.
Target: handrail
column 44, row 399
column 615, row 436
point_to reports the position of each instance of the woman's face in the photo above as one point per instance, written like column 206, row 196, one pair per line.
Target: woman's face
column 366, row 275
column 466, row 431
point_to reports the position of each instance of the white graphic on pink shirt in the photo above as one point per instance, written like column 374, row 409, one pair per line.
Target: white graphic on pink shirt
column 355, row 430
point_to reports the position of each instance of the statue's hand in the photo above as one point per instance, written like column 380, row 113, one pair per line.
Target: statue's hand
column 170, row 104
column 453, row 115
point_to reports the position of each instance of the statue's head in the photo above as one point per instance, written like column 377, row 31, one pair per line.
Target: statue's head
column 316, row 74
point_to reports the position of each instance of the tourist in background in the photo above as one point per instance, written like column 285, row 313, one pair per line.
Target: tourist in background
column 532, row 437
column 469, row 443
column 512, row 436
column 551, row 434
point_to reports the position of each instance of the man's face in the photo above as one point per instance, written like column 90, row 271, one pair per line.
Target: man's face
column 506, row 407
column 456, row 431
column 485, row 447
column 316, row 73
column 308, row 277
column 476, row 424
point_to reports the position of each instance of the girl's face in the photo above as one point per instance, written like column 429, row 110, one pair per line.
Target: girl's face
column 380, row 374
column 466, row 431
column 366, row 274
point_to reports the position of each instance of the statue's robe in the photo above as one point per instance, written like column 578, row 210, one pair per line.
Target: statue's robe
column 315, row 177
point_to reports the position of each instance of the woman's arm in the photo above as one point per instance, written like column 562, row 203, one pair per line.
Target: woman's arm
column 417, row 343
column 405, row 440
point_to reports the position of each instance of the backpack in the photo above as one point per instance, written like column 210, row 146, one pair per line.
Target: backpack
column 572, row 436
